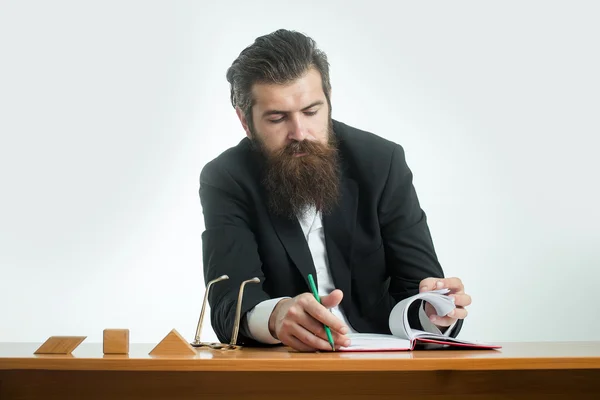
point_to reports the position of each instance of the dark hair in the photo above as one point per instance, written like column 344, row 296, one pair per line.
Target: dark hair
column 279, row 57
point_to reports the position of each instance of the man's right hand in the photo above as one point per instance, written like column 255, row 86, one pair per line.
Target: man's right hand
column 298, row 322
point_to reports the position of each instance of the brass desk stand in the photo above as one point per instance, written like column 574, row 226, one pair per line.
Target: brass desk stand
column 236, row 325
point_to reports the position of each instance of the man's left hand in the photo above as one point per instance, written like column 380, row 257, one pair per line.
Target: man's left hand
column 457, row 290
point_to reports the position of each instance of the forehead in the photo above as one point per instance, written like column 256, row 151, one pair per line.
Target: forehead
column 289, row 97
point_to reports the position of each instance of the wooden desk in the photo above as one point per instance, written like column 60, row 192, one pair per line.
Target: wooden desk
column 517, row 371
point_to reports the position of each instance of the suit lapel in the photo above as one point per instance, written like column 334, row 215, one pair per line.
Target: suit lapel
column 290, row 233
column 339, row 233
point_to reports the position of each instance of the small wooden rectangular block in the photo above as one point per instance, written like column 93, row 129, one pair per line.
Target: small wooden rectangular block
column 116, row 341
column 60, row 345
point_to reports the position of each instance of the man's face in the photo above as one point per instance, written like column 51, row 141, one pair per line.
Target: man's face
column 283, row 114
column 293, row 130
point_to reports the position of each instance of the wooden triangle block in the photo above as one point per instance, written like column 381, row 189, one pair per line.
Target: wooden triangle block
column 60, row 345
column 173, row 345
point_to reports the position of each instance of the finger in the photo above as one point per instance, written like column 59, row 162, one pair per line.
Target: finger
column 297, row 315
column 309, row 338
column 457, row 313
column 461, row 299
column 454, row 284
column 429, row 309
column 428, row 284
column 317, row 328
column 296, row 344
column 324, row 316
column 442, row 321
column 332, row 299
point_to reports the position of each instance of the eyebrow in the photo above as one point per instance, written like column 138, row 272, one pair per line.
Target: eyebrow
column 272, row 112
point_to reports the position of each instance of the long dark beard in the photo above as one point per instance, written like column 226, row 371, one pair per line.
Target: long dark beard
column 295, row 183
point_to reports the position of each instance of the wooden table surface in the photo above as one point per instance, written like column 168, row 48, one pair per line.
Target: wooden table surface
column 513, row 356
column 516, row 371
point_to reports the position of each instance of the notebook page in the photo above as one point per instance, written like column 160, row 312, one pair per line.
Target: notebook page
column 398, row 320
column 375, row 342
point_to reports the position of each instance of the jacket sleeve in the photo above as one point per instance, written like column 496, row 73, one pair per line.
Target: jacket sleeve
column 409, row 249
column 229, row 247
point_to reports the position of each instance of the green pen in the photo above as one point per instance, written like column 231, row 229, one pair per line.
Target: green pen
column 313, row 287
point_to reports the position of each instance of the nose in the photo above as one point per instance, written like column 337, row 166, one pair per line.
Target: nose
column 296, row 130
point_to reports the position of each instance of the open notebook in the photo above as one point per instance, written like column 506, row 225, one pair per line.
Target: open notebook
column 403, row 337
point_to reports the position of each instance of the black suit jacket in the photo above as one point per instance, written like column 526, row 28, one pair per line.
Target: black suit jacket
column 377, row 239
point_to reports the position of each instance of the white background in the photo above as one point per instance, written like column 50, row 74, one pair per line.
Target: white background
column 110, row 109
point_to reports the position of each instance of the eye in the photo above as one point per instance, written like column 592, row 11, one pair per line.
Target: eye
column 310, row 113
column 276, row 121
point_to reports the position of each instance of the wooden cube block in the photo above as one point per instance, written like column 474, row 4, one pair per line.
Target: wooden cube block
column 116, row 341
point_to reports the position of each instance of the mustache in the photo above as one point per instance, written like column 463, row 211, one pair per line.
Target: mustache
column 305, row 146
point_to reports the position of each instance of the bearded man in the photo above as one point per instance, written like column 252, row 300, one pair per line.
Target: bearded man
column 305, row 194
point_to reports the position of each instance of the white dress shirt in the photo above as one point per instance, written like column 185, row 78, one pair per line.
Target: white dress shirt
column 257, row 319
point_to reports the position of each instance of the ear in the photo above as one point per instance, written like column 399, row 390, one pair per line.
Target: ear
column 244, row 122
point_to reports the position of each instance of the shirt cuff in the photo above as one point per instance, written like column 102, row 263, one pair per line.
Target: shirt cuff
column 257, row 321
column 428, row 326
